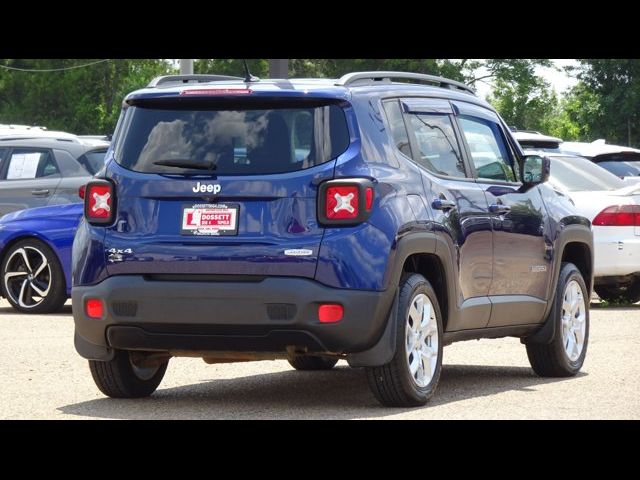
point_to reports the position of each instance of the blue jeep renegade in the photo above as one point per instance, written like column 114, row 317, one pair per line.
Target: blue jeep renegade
column 374, row 218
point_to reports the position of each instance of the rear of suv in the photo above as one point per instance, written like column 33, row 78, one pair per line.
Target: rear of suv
column 316, row 220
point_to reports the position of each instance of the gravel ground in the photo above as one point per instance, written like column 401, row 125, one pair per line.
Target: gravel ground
column 42, row 377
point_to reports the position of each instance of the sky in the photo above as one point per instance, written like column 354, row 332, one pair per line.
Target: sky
column 559, row 80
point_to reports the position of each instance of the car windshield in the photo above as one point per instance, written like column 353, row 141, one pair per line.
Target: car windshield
column 622, row 169
column 238, row 140
column 577, row 174
column 93, row 161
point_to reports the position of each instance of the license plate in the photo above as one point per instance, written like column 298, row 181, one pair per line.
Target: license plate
column 209, row 219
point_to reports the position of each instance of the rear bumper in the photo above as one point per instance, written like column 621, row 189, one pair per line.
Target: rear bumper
column 615, row 256
column 186, row 317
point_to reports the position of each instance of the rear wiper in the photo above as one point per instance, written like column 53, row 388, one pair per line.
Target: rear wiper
column 186, row 163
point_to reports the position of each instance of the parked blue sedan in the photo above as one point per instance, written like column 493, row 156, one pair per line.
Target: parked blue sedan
column 35, row 256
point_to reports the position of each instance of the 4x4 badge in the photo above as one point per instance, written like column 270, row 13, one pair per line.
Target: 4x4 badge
column 117, row 254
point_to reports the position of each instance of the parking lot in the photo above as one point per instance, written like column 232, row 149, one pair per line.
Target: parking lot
column 42, row 377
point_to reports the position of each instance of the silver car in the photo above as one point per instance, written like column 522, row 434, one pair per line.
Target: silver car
column 36, row 172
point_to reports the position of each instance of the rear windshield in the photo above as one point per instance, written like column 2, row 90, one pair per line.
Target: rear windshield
column 577, row 174
column 622, row 169
column 231, row 141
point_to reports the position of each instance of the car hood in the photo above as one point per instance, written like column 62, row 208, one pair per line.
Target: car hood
column 43, row 212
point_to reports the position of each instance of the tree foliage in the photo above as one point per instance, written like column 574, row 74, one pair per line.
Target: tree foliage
column 604, row 104
column 610, row 99
column 573, row 115
column 83, row 100
column 525, row 105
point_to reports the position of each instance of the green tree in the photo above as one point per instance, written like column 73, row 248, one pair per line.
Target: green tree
column 509, row 70
column 572, row 118
column 79, row 100
column 229, row 66
column 87, row 100
column 525, row 105
column 612, row 89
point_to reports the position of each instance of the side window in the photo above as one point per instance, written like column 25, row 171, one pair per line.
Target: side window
column 91, row 161
column 301, row 134
column 437, row 144
column 398, row 128
column 3, row 153
column 26, row 164
column 488, row 151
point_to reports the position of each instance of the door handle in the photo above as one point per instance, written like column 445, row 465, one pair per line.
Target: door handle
column 499, row 208
column 40, row 192
column 443, row 204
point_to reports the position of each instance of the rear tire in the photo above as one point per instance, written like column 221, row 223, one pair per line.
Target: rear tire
column 564, row 356
column 629, row 293
column 308, row 362
column 121, row 378
column 411, row 377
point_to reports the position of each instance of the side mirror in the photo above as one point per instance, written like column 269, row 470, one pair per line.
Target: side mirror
column 535, row 170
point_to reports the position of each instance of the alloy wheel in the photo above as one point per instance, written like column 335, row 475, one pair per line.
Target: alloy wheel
column 421, row 340
column 27, row 278
column 573, row 320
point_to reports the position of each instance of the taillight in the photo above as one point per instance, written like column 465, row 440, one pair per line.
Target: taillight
column 81, row 191
column 99, row 202
column 342, row 202
column 345, row 201
column 618, row 216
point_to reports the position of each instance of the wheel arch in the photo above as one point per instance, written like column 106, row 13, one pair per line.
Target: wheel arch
column 419, row 252
column 575, row 245
column 428, row 254
column 431, row 267
column 580, row 255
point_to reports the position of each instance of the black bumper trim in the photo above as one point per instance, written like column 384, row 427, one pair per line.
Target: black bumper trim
column 136, row 338
column 228, row 316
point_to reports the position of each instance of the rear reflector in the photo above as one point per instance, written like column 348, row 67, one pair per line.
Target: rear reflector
column 369, row 198
column 99, row 202
column 330, row 313
column 618, row 216
column 94, row 308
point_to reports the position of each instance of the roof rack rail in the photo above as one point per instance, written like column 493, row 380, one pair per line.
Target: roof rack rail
column 13, row 138
column 535, row 132
column 197, row 78
column 381, row 76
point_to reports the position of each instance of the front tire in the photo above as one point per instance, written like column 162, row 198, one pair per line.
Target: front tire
column 564, row 356
column 32, row 278
column 411, row 377
column 125, row 377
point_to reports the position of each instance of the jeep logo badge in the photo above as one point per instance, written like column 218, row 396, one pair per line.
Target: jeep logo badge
column 202, row 188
